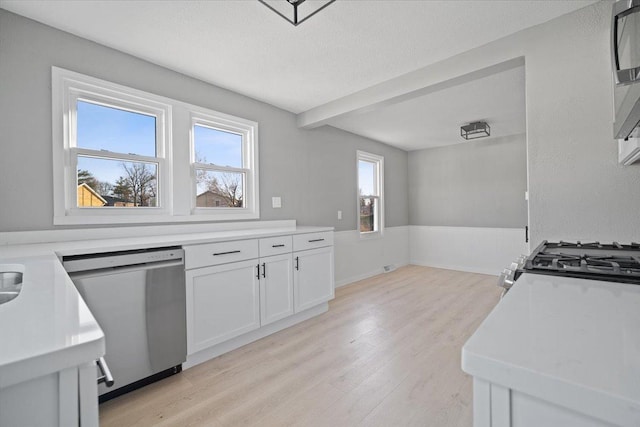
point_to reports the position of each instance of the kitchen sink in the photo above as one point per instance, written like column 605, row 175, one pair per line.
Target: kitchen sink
column 10, row 281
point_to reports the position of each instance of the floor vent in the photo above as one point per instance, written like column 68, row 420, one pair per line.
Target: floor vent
column 389, row 268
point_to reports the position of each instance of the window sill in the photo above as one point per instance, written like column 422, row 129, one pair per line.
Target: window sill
column 148, row 219
column 371, row 235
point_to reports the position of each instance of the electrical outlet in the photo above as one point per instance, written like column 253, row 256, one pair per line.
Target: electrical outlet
column 276, row 202
column 339, row 214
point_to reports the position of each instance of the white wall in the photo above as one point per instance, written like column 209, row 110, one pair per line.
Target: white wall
column 478, row 183
column 357, row 259
column 477, row 249
column 577, row 190
column 312, row 171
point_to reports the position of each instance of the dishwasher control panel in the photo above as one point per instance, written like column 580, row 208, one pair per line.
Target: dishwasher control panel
column 99, row 261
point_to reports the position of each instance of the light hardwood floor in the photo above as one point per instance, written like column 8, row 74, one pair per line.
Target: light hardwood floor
column 387, row 353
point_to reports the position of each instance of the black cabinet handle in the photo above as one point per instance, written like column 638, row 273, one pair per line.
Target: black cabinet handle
column 258, row 271
column 264, row 269
column 277, row 246
column 316, row 240
column 297, row 263
column 526, row 234
column 226, row 253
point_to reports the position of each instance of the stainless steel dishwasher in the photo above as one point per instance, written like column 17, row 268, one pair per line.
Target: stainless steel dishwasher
column 138, row 299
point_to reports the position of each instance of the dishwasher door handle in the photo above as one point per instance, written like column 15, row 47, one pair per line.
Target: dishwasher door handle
column 106, row 376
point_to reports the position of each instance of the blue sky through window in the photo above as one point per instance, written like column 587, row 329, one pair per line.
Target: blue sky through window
column 217, row 147
column 120, row 131
column 112, row 129
column 366, row 177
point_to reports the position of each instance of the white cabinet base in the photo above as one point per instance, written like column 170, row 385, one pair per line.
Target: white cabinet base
column 232, row 344
column 498, row 406
column 66, row 398
column 223, row 302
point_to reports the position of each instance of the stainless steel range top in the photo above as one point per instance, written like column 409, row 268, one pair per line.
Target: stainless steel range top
column 613, row 262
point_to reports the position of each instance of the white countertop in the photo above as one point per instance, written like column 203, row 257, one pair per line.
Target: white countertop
column 572, row 342
column 76, row 247
column 48, row 327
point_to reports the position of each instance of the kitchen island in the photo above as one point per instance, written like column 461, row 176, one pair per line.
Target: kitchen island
column 558, row 351
column 49, row 342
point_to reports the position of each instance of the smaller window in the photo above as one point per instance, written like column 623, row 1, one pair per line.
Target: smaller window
column 223, row 152
column 370, row 193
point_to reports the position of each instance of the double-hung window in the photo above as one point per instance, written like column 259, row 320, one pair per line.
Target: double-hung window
column 370, row 194
column 121, row 155
column 115, row 153
column 224, row 169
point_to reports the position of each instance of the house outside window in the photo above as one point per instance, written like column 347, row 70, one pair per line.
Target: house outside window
column 224, row 165
column 370, row 201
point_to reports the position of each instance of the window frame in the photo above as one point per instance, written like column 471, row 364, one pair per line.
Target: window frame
column 378, row 161
column 249, row 131
column 174, row 154
column 68, row 88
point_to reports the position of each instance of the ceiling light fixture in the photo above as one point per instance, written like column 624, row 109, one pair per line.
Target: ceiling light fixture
column 293, row 15
column 475, row 130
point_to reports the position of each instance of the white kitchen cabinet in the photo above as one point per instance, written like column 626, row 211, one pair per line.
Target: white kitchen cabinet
column 276, row 288
column 222, row 302
column 313, row 279
column 240, row 291
column 557, row 351
column 498, row 406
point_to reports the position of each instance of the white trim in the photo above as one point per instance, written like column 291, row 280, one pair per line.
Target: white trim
column 173, row 176
column 68, row 88
column 379, row 190
column 251, row 194
column 351, row 280
column 237, row 342
column 474, row 249
column 357, row 259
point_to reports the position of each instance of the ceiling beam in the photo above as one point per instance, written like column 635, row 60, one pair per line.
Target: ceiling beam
column 477, row 63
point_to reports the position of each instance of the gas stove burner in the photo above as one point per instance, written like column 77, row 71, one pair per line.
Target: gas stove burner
column 594, row 260
column 579, row 244
column 556, row 261
column 620, row 265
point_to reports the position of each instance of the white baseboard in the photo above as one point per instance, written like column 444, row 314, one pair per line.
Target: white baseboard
column 349, row 280
column 474, row 249
column 234, row 343
column 459, row 267
column 357, row 259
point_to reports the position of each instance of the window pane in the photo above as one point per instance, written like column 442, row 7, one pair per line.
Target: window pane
column 116, row 183
column 217, row 147
column 219, row 189
column 367, row 178
column 368, row 214
column 112, row 129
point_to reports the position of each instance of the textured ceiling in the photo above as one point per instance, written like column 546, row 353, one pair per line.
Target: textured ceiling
column 243, row 46
column 434, row 120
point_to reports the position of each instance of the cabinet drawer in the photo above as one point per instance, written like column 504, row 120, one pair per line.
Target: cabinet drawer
column 219, row 253
column 276, row 245
column 303, row 242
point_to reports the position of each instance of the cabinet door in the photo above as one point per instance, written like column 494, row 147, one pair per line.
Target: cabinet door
column 276, row 288
column 222, row 303
column 312, row 277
